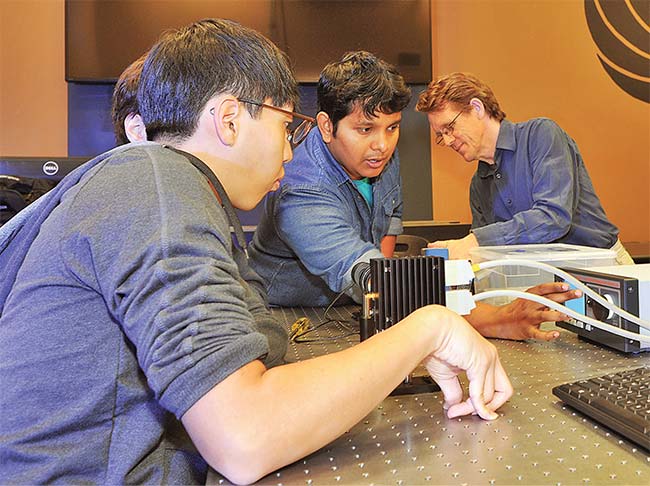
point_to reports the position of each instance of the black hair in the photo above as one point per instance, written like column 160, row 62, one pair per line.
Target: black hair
column 125, row 98
column 361, row 77
column 188, row 66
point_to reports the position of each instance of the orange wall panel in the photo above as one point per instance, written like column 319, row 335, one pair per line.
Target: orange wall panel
column 33, row 91
column 537, row 55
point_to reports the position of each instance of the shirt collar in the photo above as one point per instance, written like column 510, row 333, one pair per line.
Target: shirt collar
column 486, row 170
column 506, row 139
column 331, row 165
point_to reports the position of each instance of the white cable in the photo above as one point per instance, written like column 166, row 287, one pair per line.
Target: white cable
column 572, row 280
column 564, row 310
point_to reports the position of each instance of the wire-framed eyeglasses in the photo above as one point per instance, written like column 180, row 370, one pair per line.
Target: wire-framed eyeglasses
column 294, row 135
column 447, row 130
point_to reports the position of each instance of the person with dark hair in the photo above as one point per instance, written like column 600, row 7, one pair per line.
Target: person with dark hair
column 125, row 114
column 531, row 184
column 347, row 173
column 135, row 348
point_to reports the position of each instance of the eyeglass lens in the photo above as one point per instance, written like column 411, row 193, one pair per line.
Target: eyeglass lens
column 300, row 132
column 447, row 130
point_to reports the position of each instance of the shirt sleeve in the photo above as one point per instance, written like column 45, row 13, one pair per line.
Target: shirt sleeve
column 317, row 226
column 161, row 257
column 553, row 193
column 263, row 320
column 396, row 227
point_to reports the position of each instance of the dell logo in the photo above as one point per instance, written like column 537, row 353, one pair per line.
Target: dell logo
column 50, row 168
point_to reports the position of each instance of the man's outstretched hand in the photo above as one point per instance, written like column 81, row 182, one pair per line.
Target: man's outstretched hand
column 521, row 318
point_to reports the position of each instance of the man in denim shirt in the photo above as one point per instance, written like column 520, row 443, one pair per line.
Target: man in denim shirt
column 341, row 199
column 324, row 219
column 531, row 185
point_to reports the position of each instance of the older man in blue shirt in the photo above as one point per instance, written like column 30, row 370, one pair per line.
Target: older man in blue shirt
column 531, row 185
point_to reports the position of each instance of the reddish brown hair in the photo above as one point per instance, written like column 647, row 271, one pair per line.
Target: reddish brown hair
column 459, row 88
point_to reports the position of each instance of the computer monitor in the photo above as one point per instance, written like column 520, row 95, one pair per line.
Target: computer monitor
column 52, row 168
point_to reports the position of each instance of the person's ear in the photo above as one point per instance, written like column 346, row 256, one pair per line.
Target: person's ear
column 478, row 107
column 224, row 113
column 325, row 126
column 134, row 128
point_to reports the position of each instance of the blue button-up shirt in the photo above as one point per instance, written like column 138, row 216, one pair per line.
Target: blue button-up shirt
column 317, row 226
column 537, row 191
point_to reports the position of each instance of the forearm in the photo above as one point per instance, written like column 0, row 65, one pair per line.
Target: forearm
column 543, row 223
column 351, row 383
column 278, row 416
column 521, row 318
column 388, row 245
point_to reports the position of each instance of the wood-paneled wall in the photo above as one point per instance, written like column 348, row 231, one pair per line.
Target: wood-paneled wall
column 537, row 55
column 33, row 91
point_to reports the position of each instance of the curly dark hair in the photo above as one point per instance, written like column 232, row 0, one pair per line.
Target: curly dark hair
column 360, row 77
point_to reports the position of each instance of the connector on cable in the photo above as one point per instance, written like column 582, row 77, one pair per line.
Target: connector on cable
column 458, row 281
column 460, row 301
column 458, row 273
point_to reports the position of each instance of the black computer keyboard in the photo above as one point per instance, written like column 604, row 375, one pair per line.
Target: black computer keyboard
column 620, row 401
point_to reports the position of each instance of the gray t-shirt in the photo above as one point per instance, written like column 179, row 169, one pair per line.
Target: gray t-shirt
column 130, row 305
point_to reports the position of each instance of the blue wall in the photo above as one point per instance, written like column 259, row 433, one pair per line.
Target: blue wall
column 90, row 133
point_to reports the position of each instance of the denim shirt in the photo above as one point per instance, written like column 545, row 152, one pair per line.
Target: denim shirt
column 317, row 226
column 537, row 191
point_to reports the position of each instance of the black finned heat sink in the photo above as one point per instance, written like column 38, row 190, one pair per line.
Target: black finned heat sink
column 403, row 285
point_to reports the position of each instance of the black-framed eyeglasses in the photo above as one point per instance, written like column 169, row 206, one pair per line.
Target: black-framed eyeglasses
column 294, row 135
column 447, row 130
